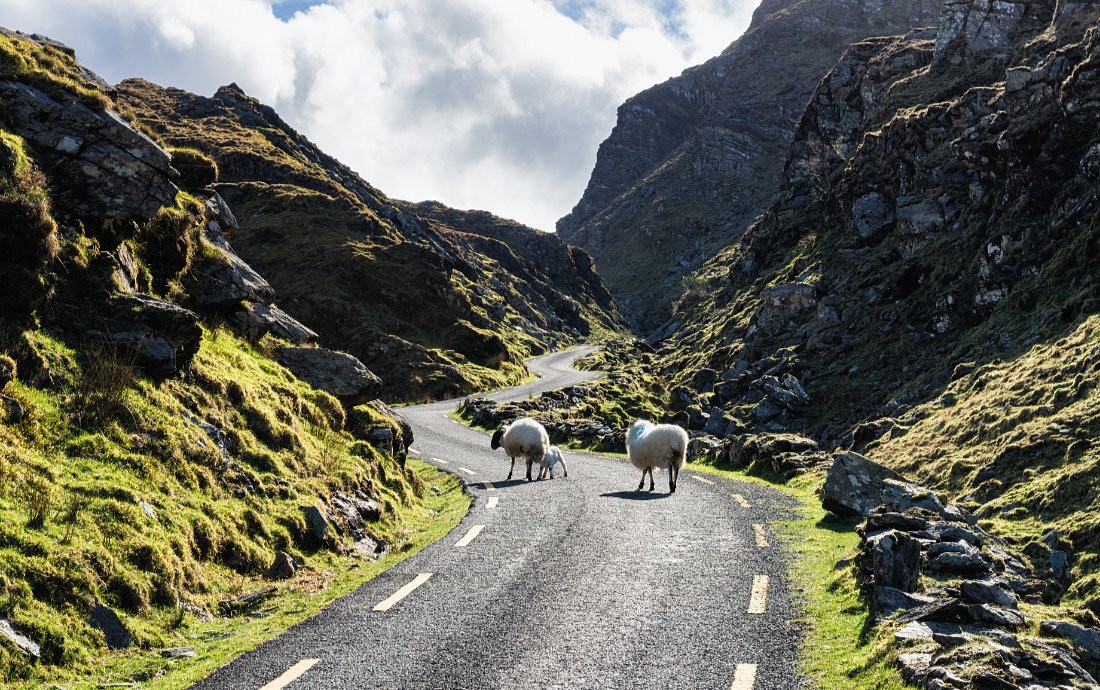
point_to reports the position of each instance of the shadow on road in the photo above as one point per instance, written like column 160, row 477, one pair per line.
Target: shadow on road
column 636, row 495
column 506, row 483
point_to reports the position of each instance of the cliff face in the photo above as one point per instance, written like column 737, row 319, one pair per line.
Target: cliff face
column 692, row 161
column 924, row 288
column 421, row 298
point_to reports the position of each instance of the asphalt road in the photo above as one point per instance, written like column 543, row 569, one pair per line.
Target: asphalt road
column 577, row 582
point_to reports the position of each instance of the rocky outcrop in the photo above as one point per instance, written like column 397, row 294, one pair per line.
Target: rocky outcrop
column 692, row 161
column 159, row 336
column 337, row 373
column 104, row 167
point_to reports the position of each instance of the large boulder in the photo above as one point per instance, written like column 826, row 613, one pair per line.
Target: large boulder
column 99, row 166
column 337, row 373
column 894, row 560
column 158, row 336
column 853, row 484
column 221, row 279
column 255, row 321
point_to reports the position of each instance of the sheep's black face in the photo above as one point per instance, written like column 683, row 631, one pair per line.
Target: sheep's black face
column 495, row 443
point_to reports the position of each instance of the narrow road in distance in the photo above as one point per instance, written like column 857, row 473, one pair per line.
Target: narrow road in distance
column 576, row 582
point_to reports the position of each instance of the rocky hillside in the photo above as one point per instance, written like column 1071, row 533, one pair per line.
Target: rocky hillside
column 175, row 450
column 443, row 302
column 924, row 288
column 691, row 162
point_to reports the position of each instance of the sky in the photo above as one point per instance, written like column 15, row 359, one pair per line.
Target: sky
column 497, row 105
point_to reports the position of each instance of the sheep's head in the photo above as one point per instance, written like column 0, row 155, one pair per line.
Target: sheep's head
column 495, row 442
column 637, row 429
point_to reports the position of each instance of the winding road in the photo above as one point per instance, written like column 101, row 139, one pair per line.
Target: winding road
column 578, row 582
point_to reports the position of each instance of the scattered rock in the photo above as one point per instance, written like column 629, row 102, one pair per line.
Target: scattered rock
column 316, row 522
column 159, row 336
column 246, row 603
column 179, row 653
column 254, row 321
column 282, row 568
column 222, row 280
column 12, row 409
column 337, row 373
column 107, row 621
column 1085, row 640
column 894, row 560
column 853, row 484
column 148, row 510
column 23, row 643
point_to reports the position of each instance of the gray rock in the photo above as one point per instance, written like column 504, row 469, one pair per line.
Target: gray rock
column 225, row 280
column 871, row 214
column 255, row 321
column 23, row 643
column 900, row 495
column 179, row 653
column 889, row 599
column 786, row 391
column 316, row 522
column 1085, row 640
column 12, row 409
column 853, row 484
column 282, row 568
column 914, row 666
column 369, row 548
column 894, row 560
column 987, row 592
column 99, row 165
column 107, row 621
column 877, row 522
column 382, row 439
column 337, row 373
column 148, row 510
column 783, row 304
column 958, row 564
column 951, row 532
column 986, row 615
column 159, row 336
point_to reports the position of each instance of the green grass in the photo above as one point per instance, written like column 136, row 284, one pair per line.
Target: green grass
column 840, row 647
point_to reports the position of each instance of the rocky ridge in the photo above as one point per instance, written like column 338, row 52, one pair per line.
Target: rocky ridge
column 443, row 301
column 691, row 162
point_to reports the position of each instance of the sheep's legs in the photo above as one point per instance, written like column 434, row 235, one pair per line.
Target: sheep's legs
column 529, row 463
column 512, row 468
column 641, row 483
column 673, row 475
column 564, row 471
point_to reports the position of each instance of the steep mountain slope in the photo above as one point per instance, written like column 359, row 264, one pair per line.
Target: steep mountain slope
column 692, row 161
column 440, row 310
column 924, row 289
column 153, row 462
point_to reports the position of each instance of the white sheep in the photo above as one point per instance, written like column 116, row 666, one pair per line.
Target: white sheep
column 657, row 446
column 552, row 458
column 524, row 438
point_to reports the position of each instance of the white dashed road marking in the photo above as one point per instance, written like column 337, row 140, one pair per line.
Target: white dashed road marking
column 400, row 594
column 467, row 471
column 744, row 677
column 492, row 502
column 474, row 531
column 741, row 501
column 698, row 478
column 758, row 602
column 761, row 536
column 293, row 673
column 441, row 462
column 414, row 451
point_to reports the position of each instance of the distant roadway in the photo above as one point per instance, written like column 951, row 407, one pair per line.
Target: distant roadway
column 578, row 582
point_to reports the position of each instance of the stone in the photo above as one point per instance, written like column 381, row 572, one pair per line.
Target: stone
column 337, row 373
column 987, row 592
column 255, row 320
column 914, row 666
column 100, row 166
column 950, row 531
column 160, row 337
column 877, row 522
column 179, row 653
column 890, row 599
column 317, row 523
column 786, row 391
column 1085, row 640
column 24, row 644
column 958, row 564
column 986, row 615
column 783, row 304
column 900, row 495
column 107, row 621
column 853, row 484
column 871, row 214
column 283, row 567
column 382, row 439
column 369, row 548
column 225, row 280
column 148, row 510
column 894, row 560
column 13, row 409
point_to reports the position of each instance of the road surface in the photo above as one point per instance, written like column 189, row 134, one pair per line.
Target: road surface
column 578, row 582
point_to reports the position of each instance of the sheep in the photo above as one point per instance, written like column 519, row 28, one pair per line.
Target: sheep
column 524, row 437
column 657, row 446
column 552, row 458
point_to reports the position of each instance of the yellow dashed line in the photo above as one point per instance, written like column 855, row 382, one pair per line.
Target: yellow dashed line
column 758, row 602
column 698, row 478
column 400, row 594
column 474, row 531
column 741, row 501
column 761, row 536
column 292, row 674
column 744, row 677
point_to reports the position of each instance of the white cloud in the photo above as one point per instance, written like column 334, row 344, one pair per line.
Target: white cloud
column 492, row 104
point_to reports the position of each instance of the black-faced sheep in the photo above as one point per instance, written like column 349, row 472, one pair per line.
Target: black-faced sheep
column 657, row 446
column 524, row 438
column 552, row 459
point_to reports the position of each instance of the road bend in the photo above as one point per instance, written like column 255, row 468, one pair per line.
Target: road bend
column 576, row 582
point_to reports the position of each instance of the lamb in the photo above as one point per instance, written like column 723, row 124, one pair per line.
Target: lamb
column 657, row 446
column 553, row 457
column 522, row 438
